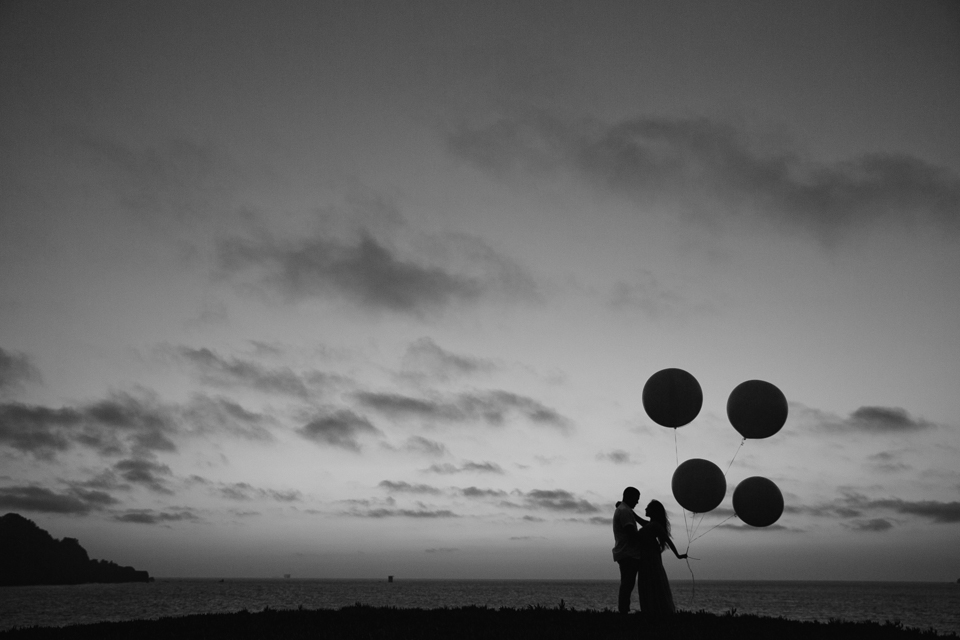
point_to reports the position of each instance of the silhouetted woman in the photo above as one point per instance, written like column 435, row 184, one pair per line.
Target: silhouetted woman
column 653, row 537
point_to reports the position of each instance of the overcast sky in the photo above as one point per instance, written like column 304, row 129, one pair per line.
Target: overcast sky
column 349, row 289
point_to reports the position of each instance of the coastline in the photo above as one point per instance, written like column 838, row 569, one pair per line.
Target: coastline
column 473, row 622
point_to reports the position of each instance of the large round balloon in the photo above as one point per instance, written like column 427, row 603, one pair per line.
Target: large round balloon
column 672, row 398
column 758, row 502
column 698, row 485
column 757, row 409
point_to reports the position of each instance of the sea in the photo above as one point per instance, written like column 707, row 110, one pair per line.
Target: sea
column 912, row 604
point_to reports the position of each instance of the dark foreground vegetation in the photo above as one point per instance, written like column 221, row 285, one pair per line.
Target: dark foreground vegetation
column 473, row 622
column 30, row 555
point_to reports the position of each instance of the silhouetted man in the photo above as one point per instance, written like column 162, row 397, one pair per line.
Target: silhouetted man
column 626, row 551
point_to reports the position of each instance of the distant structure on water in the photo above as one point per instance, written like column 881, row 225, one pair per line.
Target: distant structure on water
column 286, row 575
column 390, row 579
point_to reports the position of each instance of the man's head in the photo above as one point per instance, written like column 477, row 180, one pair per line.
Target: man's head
column 631, row 496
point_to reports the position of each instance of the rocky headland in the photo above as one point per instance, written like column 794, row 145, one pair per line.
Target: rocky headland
column 29, row 555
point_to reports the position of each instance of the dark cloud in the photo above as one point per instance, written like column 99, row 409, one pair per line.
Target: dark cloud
column 653, row 298
column 172, row 178
column 339, row 429
column 243, row 491
column 885, row 420
column 617, row 456
column 747, row 527
column 557, row 500
column 858, row 506
column 401, row 406
column 888, row 462
column 43, row 500
column 220, row 415
column 467, row 467
column 474, row 492
column 491, row 407
column 711, row 168
column 404, row 513
column 150, row 516
column 872, row 420
column 120, row 424
column 146, row 473
column 16, row 369
column 873, row 525
column 424, row 359
column 215, row 369
column 935, row 511
column 367, row 272
column 442, row 550
column 406, row 487
column 419, row 444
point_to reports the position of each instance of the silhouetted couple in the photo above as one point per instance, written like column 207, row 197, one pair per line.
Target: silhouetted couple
column 638, row 554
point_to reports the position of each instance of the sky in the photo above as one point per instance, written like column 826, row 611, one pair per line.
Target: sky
column 357, row 289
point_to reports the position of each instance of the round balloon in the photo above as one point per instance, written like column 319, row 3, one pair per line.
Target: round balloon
column 672, row 398
column 757, row 409
column 758, row 502
column 698, row 485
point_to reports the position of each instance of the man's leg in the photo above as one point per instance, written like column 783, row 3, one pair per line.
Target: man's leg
column 628, row 578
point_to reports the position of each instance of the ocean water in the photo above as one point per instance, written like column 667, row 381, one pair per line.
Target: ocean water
column 922, row 605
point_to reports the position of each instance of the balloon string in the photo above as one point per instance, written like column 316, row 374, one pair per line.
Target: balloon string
column 697, row 525
column 712, row 528
column 676, row 454
column 734, row 456
column 676, row 451
column 693, row 579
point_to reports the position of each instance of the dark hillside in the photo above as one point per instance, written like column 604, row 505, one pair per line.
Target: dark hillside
column 30, row 555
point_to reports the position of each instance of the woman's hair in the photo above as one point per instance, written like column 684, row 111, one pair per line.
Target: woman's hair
column 659, row 515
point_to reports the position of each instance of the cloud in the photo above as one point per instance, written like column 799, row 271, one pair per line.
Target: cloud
column 887, row 462
column 120, row 424
column 171, row 178
column 243, row 491
column 617, row 456
column 124, row 424
column 491, row 407
column 339, row 429
column 424, row 359
column 474, row 492
column 40, row 499
column 442, row 550
column 406, row 487
column 151, row 516
column 419, row 444
column 404, row 513
column 712, row 169
column 467, row 467
column 368, row 273
column 217, row 370
column 651, row 297
column 220, row 415
column 885, row 419
column 557, row 500
column 873, row 525
column 747, row 527
column 146, row 473
column 16, row 369
column 867, row 419
column 857, row 506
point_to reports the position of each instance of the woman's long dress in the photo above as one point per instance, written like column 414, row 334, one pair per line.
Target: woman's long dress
column 655, row 595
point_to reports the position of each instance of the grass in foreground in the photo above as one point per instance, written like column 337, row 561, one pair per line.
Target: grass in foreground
column 473, row 622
